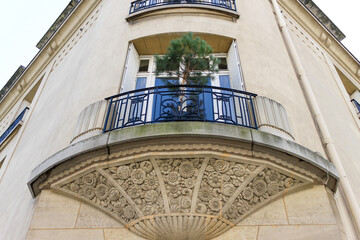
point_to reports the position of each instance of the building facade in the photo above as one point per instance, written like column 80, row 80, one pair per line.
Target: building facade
column 95, row 146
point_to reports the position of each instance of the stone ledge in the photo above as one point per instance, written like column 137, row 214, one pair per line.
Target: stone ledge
column 248, row 138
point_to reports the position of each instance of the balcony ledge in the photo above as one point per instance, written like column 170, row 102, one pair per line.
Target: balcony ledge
column 150, row 11
column 296, row 156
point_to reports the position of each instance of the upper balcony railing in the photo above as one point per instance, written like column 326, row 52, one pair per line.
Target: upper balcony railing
column 180, row 103
column 357, row 105
column 145, row 4
column 13, row 126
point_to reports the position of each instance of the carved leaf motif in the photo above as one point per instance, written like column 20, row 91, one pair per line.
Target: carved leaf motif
column 180, row 177
column 96, row 188
column 260, row 190
column 219, row 183
column 140, row 182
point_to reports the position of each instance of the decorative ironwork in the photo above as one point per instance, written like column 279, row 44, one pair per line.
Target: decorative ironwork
column 180, row 103
column 357, row 105
column 139, row 5
column 13, row 126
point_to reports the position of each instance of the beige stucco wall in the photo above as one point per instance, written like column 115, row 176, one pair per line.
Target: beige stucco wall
column 297, row 214
column 89, row 68
column 342, row 125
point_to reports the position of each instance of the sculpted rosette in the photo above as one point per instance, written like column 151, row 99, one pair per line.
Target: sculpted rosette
column 89, row 180
column 247, row 193
column 185, row 202
column 232, row 213
column 186, row 169
column 146, row 166
column 123, row 172
column 138, row 176
column 173, row 178
column 150, row 183
column 148, row 210
column 151, row 196
column 102, row 191
column 229, row 189
column 215, row 204
column 221, row 166
column 205, row 193
column 272, row 176
column 190, row 182
column 215, row 179
column 273, row 188
column 239, row 170
column 129, row 212
column 173, row 191
column 89, row 192
column 165, row 168
column 259, row 187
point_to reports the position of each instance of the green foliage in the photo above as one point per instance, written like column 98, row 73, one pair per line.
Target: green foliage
column 188, row 58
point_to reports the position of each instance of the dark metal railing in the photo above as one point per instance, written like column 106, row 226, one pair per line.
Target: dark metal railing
column 357, row 105
column 145, row 4
column 13, row 126
column 180, row 103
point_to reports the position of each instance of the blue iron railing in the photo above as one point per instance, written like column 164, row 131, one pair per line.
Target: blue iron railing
column 12, row 126
column 357, row 105
column 180, row 103
column 145, row 4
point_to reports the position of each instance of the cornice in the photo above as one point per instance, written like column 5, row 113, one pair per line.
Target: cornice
column 323, row 36
column 36, row 68
column 190, row 137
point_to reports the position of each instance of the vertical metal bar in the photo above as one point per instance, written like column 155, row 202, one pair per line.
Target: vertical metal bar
column 126, row 104
column 107, row 115
column 147, row 106
column 233, row 97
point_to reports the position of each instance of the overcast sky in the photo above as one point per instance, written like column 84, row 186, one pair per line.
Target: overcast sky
column 24, row 22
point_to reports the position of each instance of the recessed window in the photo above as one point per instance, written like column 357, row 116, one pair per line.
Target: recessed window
column 223, row 63
column 144, row 65
column 2, row 162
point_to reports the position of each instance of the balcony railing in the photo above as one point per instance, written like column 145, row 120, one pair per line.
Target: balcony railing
column 13, row 126
column 145, row 4
column 180, row 103
column 357, row 105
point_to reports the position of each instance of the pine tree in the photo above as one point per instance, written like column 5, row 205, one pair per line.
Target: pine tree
column 189, row 59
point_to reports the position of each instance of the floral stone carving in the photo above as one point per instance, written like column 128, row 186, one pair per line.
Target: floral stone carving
column 180, row 198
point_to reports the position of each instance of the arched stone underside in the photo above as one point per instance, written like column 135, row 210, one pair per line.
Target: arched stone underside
column 184, row 191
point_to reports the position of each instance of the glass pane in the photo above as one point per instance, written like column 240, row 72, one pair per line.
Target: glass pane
column 140, row 83
column 223, row 64
column 144, row 65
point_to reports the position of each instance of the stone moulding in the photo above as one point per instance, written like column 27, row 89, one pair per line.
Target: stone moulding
column 198, row 178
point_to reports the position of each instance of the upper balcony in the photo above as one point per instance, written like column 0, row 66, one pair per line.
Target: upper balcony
column 142, row 7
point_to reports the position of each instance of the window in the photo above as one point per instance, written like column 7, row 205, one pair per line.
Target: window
column 2, row 162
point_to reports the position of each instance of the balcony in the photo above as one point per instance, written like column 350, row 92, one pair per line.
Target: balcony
column 140, row 5
column 13, row 126
column 181, row 103
column 182, row 160
column 357, row 106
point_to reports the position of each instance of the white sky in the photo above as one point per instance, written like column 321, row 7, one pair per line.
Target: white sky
column 24, row 22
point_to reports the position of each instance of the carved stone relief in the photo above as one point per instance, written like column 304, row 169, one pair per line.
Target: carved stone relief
column 161, row 197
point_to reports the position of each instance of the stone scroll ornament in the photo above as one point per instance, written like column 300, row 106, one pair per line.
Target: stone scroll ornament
column 180, row 198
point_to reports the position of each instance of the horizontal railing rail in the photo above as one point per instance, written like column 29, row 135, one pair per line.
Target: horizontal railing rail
column 180, row 103
column 357, row 105
column 13, row 126
column 145, row 4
